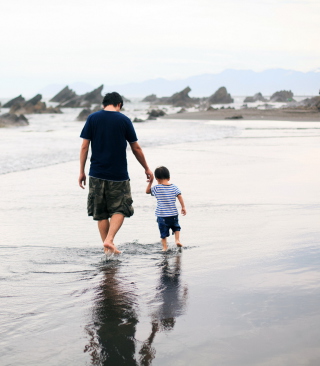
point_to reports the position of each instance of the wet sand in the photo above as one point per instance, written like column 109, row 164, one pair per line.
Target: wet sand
column 243, row 291
column 276, row 114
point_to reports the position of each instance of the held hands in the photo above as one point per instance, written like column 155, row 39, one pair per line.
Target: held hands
column 183, row 211
column 149, row 175
column 82, row 178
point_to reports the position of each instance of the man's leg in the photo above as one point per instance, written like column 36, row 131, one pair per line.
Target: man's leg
column 103, row 226
column 116, row 222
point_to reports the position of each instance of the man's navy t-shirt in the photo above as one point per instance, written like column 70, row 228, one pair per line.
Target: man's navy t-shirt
column 109, row 132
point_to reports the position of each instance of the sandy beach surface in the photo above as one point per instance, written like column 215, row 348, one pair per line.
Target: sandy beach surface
column 243, row 291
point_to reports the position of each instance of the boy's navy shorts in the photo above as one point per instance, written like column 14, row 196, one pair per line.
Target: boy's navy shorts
column 167, row 223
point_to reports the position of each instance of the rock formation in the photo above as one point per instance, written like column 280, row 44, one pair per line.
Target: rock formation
column 221, row 96
column 150, row 98
column 64, row 95
column 138, row 120
column 13, row 101
column 33, row 105
column 282, row 96
column 155, row 113
column 312, row 104
column 237, row 116
column 85, row 100
column 256, row 98
column 84, row 114
column 11, row 119
column 125, row 100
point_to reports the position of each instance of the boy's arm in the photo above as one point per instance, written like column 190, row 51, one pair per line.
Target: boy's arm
column 183, row 209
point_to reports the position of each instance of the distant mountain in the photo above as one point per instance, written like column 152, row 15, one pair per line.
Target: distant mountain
column 237, row 82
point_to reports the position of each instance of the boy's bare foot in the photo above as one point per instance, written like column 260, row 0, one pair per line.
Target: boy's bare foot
column 179, row 244
column 164, row 249
column 110, row 248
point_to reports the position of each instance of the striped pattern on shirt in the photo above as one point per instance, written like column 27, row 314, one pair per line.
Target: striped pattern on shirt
column 166, row 199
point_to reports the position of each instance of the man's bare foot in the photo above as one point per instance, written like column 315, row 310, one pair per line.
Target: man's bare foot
column 110, row 248
column 179, row 244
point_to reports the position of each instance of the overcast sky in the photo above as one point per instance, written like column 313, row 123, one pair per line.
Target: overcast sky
column 114, row 42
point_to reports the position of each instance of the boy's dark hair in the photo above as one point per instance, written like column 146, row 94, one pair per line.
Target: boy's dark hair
column 113, row 98
column 162, row 173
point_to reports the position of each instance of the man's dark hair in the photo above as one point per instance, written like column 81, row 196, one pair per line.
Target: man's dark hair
column 162, row 173
column 113, row 98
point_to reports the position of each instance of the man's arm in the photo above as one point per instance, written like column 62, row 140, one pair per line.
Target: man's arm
column 138, row 153
column 183, row 209
column 83, row 159
column 148, row 189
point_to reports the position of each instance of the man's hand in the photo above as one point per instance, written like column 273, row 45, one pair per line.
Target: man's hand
column 149, row 175
column 82, row 178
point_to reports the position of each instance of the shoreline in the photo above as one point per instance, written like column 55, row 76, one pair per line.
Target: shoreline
column 250, row 114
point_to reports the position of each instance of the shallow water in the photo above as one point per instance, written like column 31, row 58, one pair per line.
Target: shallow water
column 243, row 291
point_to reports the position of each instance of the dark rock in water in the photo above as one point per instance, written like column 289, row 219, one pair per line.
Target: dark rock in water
column 182, row 110
column 258, row 97
column 85, row 100
column 310, row 103
column 84, row 114
column 138, row 120
column 33, row 105
column 155, row 113
column 150, row 98
column 221, row 96
column 181, row 99
column 125, row 100
column 212, row 109
column 11, row 119
column 235, row 117
column 282, row 96
column 64, row 95
column 13, row 101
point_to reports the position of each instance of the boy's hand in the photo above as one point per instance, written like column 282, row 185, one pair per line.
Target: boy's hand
column 183, row 211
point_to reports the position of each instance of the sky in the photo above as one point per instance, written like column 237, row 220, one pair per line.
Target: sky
column 110, row 42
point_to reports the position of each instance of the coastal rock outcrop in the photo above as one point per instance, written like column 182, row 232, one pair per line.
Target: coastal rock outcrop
column 33, row 105
column 306, row 104
column 18, row 99
column 258, row 97
column 12, row 120
column 150, row 98
column 125, row 100
column 64, row 95
column 221, row 96
column 282, row 96
column 155, row 113
column 84, row 114
column 85, row 100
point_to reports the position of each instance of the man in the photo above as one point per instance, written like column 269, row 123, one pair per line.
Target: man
column 109, row 198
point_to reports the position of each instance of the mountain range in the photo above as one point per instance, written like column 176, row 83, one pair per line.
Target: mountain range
column 237, row 82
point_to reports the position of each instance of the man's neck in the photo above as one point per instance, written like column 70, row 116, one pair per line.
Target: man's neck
column 112, row 108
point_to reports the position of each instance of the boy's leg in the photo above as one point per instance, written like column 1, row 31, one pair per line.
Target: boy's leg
column 164, row 244
column 177, row 238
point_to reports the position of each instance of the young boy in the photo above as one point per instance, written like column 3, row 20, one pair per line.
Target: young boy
column 166, row 211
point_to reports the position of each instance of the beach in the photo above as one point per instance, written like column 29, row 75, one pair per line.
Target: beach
column 244, row 290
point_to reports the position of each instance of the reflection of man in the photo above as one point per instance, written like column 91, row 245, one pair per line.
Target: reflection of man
column 109, row 188
column 114, row 320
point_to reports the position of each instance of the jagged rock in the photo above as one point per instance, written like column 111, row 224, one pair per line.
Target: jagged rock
column 85, row 100
column 125, row 100
column 33, row 105
column 150, row 98
column 310, row 103
column 238, row 116
column 182, row 110
column 13, row 101
column 221, row 96
column 155, row 113
column 64, row 95
column 138, row 120
column 211, row 109
column 84, row 114
column 282, row 96
column 181, row 99
column 258, row 97
column 11, row 119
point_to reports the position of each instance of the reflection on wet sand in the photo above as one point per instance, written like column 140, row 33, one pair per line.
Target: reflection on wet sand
column 170, row 302
column 113, row 327
column 114, row 319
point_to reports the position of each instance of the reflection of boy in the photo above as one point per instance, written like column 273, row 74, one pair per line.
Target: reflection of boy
column 166, row 211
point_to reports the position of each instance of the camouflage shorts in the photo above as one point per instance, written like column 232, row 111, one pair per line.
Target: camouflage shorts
column 107, row 198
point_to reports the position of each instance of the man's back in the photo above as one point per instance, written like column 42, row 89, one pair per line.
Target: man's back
column 109, row 132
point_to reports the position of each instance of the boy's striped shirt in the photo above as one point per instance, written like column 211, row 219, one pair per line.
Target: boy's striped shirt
column 166, row 199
